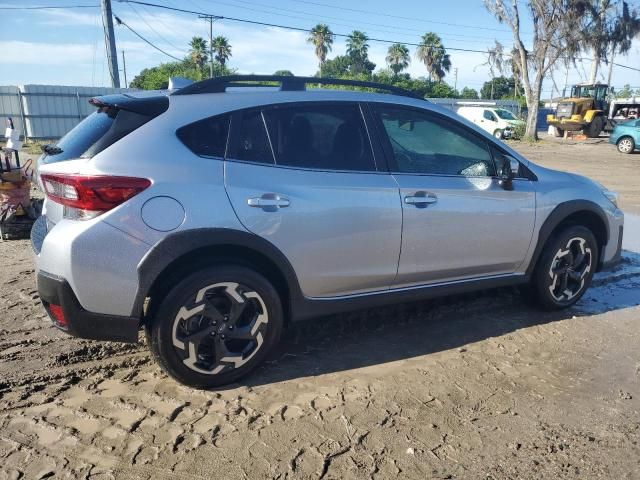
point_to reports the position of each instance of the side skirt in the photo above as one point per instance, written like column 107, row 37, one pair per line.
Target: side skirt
column 307, row 308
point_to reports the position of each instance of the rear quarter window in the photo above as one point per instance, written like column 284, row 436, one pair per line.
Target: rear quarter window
column 206, row 137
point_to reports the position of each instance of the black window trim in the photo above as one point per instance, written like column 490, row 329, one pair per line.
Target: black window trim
column 388, row 149
column 379, row 160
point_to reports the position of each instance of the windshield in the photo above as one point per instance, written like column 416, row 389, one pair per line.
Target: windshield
column 506, row 114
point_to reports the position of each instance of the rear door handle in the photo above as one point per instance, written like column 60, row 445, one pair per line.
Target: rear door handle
column 269, row 202
column 421, row 199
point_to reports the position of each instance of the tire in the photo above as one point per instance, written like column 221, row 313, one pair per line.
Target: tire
column 215, row 326
column 499, row 134
column 558, row 132
column 562, row 276
column 594, row 129
column 626, row 145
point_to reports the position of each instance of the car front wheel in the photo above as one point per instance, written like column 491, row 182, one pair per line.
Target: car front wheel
column 565, row 268
column 215, row 326
column 626, row 145
column 499, row 134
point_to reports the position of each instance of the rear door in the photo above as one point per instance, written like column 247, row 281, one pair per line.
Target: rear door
column 459, row 222
column 304, row 176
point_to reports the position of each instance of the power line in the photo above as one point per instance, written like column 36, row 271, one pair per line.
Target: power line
column 286, row 27
column 400, row 17
column 49, row 7
column 333, row 19
column 120, row 22
column 306, row 30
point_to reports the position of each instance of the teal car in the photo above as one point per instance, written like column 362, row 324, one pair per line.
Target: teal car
column 626, row 136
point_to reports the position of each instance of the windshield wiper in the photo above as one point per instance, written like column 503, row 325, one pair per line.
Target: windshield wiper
column 51, row 149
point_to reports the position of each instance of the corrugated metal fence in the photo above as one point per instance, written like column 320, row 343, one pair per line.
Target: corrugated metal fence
column 47, row 111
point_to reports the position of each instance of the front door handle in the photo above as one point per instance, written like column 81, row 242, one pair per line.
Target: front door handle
column 421, row 199
column 269, row 202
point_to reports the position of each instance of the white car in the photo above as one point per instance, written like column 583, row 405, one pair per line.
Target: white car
column 497, row 121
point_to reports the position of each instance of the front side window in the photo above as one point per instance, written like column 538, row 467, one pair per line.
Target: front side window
column 423, row 143
column 320, row 136
column 505, row 114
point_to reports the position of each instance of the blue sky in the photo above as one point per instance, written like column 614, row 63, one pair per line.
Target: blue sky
column 66, row 46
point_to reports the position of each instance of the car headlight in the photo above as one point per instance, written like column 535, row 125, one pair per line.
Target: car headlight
column 611, row 196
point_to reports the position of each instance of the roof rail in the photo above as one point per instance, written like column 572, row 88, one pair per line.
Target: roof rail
column 287, row 84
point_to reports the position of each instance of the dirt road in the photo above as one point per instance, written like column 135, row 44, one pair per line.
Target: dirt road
column 479, row 386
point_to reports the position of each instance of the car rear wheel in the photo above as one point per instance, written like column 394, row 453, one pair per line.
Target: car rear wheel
column 626, row 145
column 215, row 326
column 565, row 268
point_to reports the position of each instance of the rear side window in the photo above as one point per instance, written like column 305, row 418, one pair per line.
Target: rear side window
column 320, row 136
column 251, row 142
column 206, row 137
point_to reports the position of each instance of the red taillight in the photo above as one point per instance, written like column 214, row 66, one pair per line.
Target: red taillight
column 58, row 315
column 92, row 193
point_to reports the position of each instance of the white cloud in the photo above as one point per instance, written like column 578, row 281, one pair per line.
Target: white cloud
column 38, row 53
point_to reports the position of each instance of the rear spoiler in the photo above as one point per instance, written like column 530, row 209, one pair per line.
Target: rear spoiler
column 150, row 106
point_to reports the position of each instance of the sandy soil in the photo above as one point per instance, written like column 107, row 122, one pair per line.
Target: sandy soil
column 479, row 386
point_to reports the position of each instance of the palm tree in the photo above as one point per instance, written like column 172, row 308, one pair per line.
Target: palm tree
column 357, row 50
column 321, row 37
column 222, row 49
column 442, row 68
column 432, row 53
column 398, row 58
column 198, row 52
column 357, row 46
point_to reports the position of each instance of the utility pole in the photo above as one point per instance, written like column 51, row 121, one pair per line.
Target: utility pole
column 124, row 70
column 110, row 43
column 455, row 85
column 210, row 19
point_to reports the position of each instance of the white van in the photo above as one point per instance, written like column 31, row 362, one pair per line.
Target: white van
column 498, row 122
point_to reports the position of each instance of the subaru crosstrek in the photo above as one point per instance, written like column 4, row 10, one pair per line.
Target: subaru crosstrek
column 215, row 214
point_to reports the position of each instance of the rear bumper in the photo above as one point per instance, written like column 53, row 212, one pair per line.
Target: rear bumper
column 81, row 323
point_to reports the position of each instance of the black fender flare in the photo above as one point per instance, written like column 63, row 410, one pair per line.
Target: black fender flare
column 557, row 216
column 175, row 245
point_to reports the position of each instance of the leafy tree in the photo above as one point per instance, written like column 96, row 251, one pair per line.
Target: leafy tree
column 157, row 78
column 499, row 87
column 283, row 73
column 221, row 49
column 469, row 93
column 321, row 37
column 336, row 67
column 607, row 28
column 432, row 53
column 554, row 33
column 198, row 51
column 398, row 58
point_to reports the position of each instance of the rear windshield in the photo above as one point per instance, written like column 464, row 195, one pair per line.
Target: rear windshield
column 93, row 134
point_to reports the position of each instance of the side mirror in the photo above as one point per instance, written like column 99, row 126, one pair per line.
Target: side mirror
column 509, row 172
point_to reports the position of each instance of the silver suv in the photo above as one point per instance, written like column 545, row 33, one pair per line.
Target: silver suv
column 216, row 215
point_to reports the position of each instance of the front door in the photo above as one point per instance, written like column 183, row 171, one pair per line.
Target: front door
column 458, row 221
column 310, row 185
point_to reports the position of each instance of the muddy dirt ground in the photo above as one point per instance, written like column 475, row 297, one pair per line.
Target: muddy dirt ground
column 479, row 386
